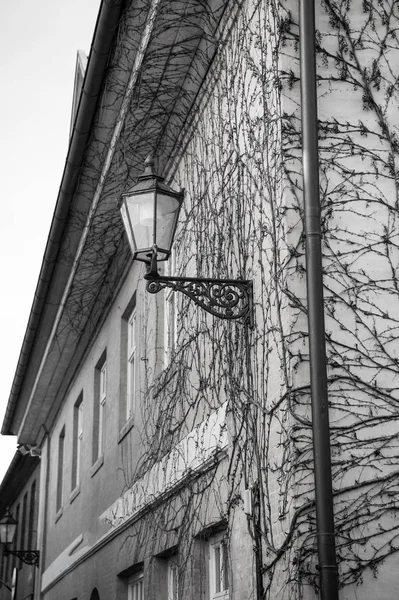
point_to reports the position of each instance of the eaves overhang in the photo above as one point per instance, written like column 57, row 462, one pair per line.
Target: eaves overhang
column 107, row 21
column 140, row 86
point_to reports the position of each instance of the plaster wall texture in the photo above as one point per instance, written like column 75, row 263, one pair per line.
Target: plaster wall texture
column 235, row 219
column 76, row 534
column 98, row 486
column 360, row 258
column 243, row 217
column 358, row 190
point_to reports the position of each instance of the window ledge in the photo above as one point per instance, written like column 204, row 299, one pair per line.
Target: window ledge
column 221, row 595
column 58, row 514
column 97, row 465
column 125, row 429
column 75, row 492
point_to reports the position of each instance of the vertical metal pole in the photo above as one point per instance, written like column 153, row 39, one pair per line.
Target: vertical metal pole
column 318, row 373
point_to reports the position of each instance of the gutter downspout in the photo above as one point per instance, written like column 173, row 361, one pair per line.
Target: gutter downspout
column 314, row 279
column 103, row 38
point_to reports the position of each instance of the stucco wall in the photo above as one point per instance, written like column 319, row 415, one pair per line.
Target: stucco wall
column 239, row 160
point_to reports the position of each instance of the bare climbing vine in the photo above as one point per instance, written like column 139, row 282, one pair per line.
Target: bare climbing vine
column 238, row 156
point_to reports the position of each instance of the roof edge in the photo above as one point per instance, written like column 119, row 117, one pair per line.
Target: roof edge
column 104, row 33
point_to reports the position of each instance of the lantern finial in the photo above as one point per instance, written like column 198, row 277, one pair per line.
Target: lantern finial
column 149, row 165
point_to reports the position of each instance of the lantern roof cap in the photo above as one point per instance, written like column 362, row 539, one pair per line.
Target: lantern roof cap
column 151, row 181
column 7, row 518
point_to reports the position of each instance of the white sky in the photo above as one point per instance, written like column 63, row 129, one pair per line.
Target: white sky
column 38, row 46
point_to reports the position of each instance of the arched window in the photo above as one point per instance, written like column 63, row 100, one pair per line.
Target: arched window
column 95, row 595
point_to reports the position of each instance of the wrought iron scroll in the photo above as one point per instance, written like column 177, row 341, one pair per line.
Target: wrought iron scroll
column 230, row 299
column 29, row 557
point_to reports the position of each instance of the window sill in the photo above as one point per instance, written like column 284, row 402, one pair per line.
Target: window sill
column 58, row 514
column 97, row 465
column 75, row 545
column 125, row 429
column 220, row 595
column 75, row 492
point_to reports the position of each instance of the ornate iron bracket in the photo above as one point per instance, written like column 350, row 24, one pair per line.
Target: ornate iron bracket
column 29, row 557
column 225, row 298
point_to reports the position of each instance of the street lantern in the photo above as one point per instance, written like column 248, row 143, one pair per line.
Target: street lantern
column 150, row 211
column 8, row 527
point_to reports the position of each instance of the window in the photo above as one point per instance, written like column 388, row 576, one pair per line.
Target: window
column 169, row 326
column 31, row 515
column 16, row 537
column 129, row 369
column 24, row 516
column 60, row 472
column 173, row 579
column 100, row 397
column 3, row 560
column 77, row 440
column 135, row 587
column 218, row 568
column 131, row 364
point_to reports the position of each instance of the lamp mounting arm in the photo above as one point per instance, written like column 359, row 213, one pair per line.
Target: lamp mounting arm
column 29, row 557
column 230, row 299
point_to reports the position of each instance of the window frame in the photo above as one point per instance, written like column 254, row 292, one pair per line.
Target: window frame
column 24, row 521
column 131, row 364
column 129, row 352
column 169, row 329
column 16, row 562
column 32, row 505
column 77, row 442
column 102, row 401
column 173, row 578
column 219, row 576
column 99, row 408
column 60, row 472
column 134, row 581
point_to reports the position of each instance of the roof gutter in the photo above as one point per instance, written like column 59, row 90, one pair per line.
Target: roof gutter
column 107, row 21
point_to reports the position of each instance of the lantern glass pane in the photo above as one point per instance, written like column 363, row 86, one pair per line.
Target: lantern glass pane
column 126, row 222
column 140, row 212
column 167, row 214
column 7, row 532
column 3, row 533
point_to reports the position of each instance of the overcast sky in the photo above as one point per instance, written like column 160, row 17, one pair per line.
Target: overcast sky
column 38, row 46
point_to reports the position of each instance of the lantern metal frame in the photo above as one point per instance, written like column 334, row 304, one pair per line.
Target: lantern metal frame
column 152, row 185
column 230, row 299
column 29, row 557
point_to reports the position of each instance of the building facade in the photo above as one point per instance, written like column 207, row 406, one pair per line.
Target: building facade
column 176, row 448
column 19, row 493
